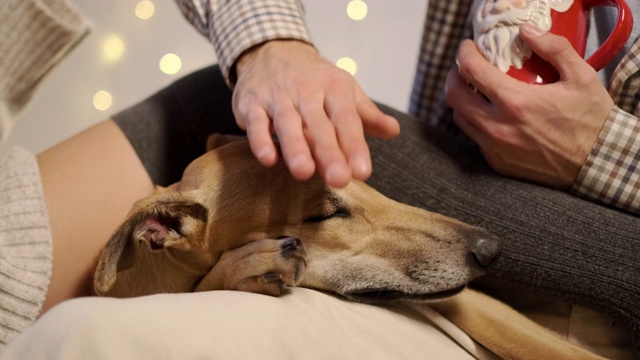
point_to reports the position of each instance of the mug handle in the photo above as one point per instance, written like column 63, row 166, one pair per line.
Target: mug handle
column 618, row 37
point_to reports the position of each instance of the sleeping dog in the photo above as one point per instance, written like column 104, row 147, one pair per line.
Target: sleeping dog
column 232, row 224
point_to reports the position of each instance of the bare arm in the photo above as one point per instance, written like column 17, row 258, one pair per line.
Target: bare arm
column 90, row 182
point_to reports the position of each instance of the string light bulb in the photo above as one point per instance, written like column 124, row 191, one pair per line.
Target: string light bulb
column 170, row 64
column 145, row 10
column 357, row 10
column 102, row 100
column 347, row 64
column 112, row 48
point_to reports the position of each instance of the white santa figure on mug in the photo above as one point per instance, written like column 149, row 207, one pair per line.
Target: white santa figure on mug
column 496, row 26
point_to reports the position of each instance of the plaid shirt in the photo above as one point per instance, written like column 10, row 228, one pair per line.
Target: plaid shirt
column 610, row 174
column 234, row 26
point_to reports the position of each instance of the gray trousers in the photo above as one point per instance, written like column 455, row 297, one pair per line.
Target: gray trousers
column 556, row 245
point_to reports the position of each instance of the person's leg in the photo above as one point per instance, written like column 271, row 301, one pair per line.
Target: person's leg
column 92, row 179
column 555, row 244
column 170, row 128
column 90, row 182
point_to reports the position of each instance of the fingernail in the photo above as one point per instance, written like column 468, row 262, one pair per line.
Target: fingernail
column 360, row 166
column 334, row 172
column 264, row 154
column 298, row 162
column 532, row 29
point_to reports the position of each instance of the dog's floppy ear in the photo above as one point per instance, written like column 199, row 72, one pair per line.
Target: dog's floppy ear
column 217, row 140
column 161, row 221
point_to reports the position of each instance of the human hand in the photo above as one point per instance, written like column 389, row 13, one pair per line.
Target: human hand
column 541, row 133
column 317, row 110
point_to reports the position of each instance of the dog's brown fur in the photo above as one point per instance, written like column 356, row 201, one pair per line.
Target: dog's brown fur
column 357, row 243
column 232, row 224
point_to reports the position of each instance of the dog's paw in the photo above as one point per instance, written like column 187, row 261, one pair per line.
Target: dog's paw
column 265, row 266
column 289, row 267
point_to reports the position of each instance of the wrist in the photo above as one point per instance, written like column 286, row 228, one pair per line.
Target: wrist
column 268, row 49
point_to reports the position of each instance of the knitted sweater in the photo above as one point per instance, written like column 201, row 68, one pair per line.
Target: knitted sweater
column 34, row 36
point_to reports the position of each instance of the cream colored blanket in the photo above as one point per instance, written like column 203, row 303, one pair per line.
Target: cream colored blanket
column 304, row 324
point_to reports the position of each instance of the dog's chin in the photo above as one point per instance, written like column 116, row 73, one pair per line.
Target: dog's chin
column 385, row 296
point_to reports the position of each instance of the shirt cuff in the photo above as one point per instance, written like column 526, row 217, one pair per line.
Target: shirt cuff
column 611, row 174
column 239, row 25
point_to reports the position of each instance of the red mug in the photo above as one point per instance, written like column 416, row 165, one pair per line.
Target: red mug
column 568, row 18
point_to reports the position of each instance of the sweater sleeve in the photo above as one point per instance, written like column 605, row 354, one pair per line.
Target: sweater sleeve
column 235, row 26
column 26, row 250
column 34, row 36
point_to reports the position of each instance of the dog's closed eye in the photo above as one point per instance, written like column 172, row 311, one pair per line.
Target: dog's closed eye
column 333, row 206
column 340, row 212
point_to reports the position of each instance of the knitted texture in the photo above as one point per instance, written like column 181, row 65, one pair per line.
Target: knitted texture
column 25, row 243
column 34, row 37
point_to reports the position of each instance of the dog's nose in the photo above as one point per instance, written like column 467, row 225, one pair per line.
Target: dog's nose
column 485, row 249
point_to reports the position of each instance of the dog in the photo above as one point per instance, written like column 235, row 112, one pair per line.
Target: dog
column 232, row 224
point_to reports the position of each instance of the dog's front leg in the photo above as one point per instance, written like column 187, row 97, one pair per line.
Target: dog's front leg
column 263, row 266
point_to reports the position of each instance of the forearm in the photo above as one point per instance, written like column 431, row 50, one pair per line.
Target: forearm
column 234, row 27
column 610, row 174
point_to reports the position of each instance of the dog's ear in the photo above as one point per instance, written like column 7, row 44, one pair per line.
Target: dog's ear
column 217, row 140
column 156, row 223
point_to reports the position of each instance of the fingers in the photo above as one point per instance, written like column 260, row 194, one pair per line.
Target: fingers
column 316, row 110
column 349, row 131
column 323, row 132
column 475, row 69
column 467, row 103
column 292, row 139
column 472, row 132
column 258, row 127
column 555, row 49
column 322, row 137
column 374, row 121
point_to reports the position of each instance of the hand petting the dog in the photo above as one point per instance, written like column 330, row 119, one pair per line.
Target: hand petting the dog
column 318, row 112
column 541, row 133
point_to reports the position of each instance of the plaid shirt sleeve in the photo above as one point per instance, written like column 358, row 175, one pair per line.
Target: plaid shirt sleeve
column 611, row 174
column 234, row 26
column 445, row 27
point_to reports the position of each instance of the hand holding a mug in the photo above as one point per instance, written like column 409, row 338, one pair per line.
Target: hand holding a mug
column 541, row 133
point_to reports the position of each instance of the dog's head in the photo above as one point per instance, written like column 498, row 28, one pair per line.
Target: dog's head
column 360, row 244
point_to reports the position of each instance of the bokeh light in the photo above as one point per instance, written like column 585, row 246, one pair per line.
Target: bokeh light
column 102, row 100
column 112, row 48
column 357, row 10
column 145, row 9
column 170, row 64
column 347, row 64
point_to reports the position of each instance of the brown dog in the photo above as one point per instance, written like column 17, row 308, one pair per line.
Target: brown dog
column 233, row 224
